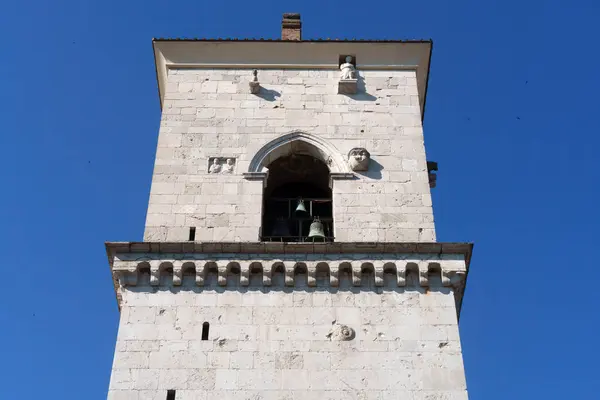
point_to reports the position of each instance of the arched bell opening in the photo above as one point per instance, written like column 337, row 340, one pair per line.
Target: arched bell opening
column 297, row 200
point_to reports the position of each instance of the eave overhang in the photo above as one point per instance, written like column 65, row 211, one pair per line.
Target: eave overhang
column 291, row 54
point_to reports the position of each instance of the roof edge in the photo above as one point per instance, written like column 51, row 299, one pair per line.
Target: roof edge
column 292, row 41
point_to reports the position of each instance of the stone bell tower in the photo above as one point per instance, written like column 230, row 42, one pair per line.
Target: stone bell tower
column 290, row 249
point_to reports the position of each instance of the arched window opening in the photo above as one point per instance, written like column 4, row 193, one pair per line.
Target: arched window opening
column 297, row 201
column 205, row 327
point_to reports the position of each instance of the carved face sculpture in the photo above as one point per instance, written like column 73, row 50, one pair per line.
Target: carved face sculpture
column 358, row 159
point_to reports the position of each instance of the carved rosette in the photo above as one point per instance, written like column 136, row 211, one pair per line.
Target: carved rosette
column 341, row 333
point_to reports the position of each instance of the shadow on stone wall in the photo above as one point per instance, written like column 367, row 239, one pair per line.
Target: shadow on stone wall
column 188, row 284
column 268, row 94
column 362, row 94
column 374, row 171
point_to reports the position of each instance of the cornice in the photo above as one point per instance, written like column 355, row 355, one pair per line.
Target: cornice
column 282, row 54
column 236, row 261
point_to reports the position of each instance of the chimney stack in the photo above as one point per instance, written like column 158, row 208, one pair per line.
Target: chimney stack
column 291, row 27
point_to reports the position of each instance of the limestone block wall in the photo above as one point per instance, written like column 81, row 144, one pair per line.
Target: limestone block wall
column 211, row 113
column 279, row 342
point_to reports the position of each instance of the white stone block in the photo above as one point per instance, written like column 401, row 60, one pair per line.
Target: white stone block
column 226, row 379
column 131, row 360
column 145, row 379
column 123, row 395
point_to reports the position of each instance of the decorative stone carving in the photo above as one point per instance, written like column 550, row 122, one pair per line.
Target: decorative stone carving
column 221, row 165
column 214, row 167
column 348, row 71
column 358, row 159
column 254, row 84
column 289, row 142
column 229, row 166
column 342, row 333
column 348, row 83
column 147, row 264
column 449, row 271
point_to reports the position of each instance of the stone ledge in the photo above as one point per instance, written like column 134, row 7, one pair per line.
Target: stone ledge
column 289, row 248
column 449, row 261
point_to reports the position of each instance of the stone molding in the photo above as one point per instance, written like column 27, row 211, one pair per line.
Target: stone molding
column 284, row 145
column 439, row 248
column 127, row 267
column 449, row 261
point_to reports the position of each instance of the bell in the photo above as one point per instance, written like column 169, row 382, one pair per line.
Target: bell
column 281, row 228
column 316, row 232
column 301, row 209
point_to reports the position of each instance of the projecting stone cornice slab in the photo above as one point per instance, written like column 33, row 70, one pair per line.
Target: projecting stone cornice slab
column 289, row 248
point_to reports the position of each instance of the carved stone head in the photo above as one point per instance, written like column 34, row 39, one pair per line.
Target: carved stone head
column 358, row 159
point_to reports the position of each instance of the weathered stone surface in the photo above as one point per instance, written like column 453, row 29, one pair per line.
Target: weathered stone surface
column 210, row 113
column 279, row 342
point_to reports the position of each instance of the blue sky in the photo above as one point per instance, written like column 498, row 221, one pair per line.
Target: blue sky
column 512, row 113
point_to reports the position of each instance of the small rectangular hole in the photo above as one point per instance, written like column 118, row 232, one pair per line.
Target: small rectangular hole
column 205, row 327
column 170, row 395
column 192, row 234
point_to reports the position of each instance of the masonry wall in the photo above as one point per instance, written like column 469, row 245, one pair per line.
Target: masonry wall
column 274, row 343
column 209, row 113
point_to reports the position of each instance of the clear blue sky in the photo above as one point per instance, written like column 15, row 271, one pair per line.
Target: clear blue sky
column 512, row 119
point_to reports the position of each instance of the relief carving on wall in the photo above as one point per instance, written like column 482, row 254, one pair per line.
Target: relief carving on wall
column 358, row 159
column 221, row 165
column 341, row 333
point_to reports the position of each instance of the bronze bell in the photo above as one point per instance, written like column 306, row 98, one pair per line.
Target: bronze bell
column 316, row 232
column 301, row 209
column 281, row 228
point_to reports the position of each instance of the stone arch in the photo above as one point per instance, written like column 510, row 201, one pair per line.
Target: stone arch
column 298, row 142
